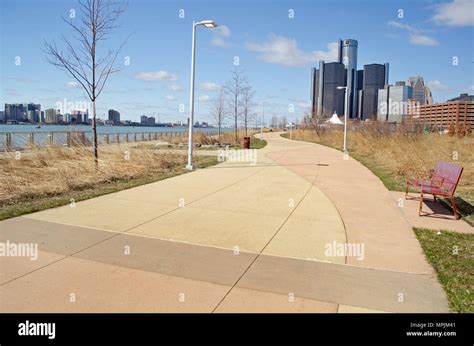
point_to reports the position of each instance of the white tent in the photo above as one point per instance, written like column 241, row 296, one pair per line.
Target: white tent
column 335, row 120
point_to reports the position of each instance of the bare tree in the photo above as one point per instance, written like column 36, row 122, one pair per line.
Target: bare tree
column 219, row 110
column 247, row 105
column 95, row 23
column 234, row 89
column 274, row 121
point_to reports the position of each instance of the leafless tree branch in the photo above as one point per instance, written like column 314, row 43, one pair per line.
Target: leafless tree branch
column 219, row 110
column 234, row 88
column 97, row 19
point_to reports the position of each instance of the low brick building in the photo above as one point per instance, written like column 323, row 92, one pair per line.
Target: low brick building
column 444, row 115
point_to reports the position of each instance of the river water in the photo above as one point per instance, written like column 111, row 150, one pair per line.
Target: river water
column 20, row 133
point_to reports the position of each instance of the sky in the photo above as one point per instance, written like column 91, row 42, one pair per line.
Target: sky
column 276, row 43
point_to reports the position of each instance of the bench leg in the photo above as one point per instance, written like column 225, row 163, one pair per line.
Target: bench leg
column 406, row 190
column 454, row 208
column 421, row 203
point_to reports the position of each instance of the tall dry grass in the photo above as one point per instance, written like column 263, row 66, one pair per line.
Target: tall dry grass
column 200, row 138
column 58, row 170
column 401, row 152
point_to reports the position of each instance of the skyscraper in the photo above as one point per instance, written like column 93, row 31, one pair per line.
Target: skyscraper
column 374, row 78
column 362, row 85
column 421, row 93
column 326, row 98
column 114, row 116
column 359, row 87
column 33, row 112
column 80, row 116
column 51, row 116
column 150, row 121
column 348, row 56
column 15, row 112
column 393, row 102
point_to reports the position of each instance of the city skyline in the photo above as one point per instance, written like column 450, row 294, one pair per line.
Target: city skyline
column 24, row 113
column 426, row 38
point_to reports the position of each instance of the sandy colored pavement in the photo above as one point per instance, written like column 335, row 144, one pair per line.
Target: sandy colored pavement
column 435, row 215
column 233, row 237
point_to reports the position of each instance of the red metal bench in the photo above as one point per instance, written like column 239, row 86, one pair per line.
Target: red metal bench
column 443, row 182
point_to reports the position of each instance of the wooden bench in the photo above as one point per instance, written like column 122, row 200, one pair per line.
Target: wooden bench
column 443, row 182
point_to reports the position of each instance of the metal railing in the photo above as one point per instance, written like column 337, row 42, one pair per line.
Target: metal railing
column 10, row 141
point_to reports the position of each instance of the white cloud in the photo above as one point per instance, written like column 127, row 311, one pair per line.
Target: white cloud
column 436, row 85
column 284, row 51
column 220, row 33
column 455, row 13
column 422, row 40
column 219, row 42
column 415, row 35
column 303, row 104
column 73, row 85
column 204, row 98
column 223, row 30
column 471, row 87
column 175, row 87
column 209, row 86
column 170, row 98
column 330, row 54
column 400, row 25
column 154, row 76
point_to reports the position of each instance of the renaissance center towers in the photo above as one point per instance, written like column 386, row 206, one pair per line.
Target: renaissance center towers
column 362, row 85
column 348, row 56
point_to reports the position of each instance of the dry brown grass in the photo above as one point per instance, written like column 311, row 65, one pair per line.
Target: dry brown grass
column 226, row 137
column 400, row 153
column 57, row 170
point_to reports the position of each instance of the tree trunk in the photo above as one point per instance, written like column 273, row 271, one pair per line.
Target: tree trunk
column 235, row 118
column 94, row 135
column 235, row 121
column 245, row 123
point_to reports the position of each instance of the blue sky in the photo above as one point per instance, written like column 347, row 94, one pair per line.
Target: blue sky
column 276, row 52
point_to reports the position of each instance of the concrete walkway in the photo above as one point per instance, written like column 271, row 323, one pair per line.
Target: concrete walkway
column 436, row 216
column 233, row 237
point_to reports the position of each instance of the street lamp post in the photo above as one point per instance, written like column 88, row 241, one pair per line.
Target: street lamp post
column 263, row 120
column 207, row 24
column 290, row 124
column 346, row 104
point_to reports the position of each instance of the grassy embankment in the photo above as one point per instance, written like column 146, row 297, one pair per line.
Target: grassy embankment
column 451, row 255
column 213, row 142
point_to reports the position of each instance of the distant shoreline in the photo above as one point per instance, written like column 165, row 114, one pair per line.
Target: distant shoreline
column 28, row 128
column 104, row 125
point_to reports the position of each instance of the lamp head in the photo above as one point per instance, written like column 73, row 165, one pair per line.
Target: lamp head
column 208, row 23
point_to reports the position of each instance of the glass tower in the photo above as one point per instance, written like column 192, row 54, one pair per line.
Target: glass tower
column 348, row 56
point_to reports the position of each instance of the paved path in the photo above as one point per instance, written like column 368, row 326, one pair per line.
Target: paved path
column 436, row 216
column 233, row 237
